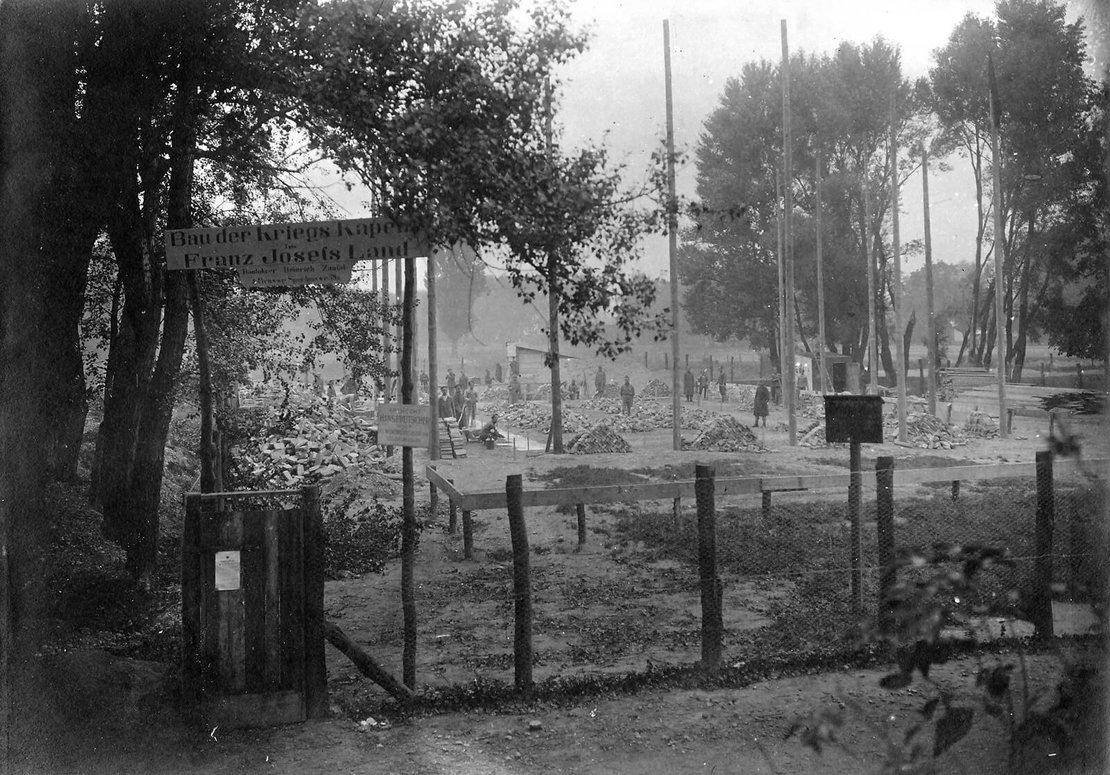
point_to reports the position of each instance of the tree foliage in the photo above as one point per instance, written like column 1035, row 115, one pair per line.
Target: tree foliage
column 461, row 283
column 1051, row 118
column 461, row 132
column 840, row 109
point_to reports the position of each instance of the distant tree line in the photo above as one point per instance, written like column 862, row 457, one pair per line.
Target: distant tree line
column 1053, row 195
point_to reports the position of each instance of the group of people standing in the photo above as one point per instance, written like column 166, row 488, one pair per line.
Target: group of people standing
column 457, row 404
column 701, row 385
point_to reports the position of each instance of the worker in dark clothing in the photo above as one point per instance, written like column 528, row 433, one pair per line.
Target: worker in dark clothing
column 688, row 385
column 722, row 386
column 445, row 407
column 762, row 399
column 489, row 430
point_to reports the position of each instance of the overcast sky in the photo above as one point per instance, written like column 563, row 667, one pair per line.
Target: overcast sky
column 614, row 92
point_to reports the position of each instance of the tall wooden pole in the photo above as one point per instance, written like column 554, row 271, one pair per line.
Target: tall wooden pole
column 999, row 247
column 930, row 310
column 788, row 236
column 433, row 373
column 825, row 385
column 381, row 320
column 672, row 245
column 407, row 295
column 398, row 294
column 872, row 345
column 553, row 296
column 387, row 359
column 782, row 281
column 896, row 296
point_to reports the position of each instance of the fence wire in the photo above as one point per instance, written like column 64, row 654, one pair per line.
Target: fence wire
column 634, row 597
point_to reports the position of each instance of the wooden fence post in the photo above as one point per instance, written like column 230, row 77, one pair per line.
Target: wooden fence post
column 1041, row 609
column 712, row 623
column 315, row 672
column 468, row 534
column 766, row 499
column 522, row 586
column 433, row 492
column 855, row 551
column 884, row 514
column 581, row 509
column 452, row 514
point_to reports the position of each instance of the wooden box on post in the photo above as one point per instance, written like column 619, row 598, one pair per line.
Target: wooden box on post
column 252, row 610
column 856, row 419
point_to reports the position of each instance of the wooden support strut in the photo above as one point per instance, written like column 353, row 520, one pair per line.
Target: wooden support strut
column 366, row 664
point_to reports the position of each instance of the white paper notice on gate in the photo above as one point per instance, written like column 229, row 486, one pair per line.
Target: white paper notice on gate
column 227, row 571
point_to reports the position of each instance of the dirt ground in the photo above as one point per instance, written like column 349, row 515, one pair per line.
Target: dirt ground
column 466, row 638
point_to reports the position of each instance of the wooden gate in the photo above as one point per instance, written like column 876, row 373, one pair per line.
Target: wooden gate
column 252, row 600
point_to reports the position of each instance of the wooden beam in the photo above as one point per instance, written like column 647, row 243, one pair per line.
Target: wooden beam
column 616, row 493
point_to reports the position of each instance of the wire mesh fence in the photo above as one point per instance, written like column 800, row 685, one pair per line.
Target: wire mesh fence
column 789, row 576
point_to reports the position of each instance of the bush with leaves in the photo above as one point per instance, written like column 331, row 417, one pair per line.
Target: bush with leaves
column 910, row 623
column 359, row 535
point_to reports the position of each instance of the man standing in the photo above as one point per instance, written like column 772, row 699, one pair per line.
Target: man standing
column 627, row 394
column 470, row 406
column 703, row 385
column 450, row 380
column 721, row 385
column 444, row 405
column 599, row 383
column 762, row 398
column 688, row 385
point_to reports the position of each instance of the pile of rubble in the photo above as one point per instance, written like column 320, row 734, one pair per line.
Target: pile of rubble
column 924, row 431
column 325, row 439
column 740, row 394
column 495, row 392
column 726, row 434
column 596, row 440
column 656, row 388
column 981, row 425
column 533, row 416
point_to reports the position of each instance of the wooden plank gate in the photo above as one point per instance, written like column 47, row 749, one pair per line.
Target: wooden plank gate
column 252, row 605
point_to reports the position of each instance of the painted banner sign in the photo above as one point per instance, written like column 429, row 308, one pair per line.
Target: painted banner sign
column 268, row 246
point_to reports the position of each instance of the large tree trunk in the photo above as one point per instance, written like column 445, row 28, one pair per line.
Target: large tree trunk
column 36, row 67
column 146, row 353
column 134, row 351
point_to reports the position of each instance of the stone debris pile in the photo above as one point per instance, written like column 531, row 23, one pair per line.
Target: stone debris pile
column 739, row 394
column 598, row 439
column 656, row 388
column 981, row 425
column 924, row 431
column 726, row 434
column 319, row 439
column 494, row 393
column 530, row 416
